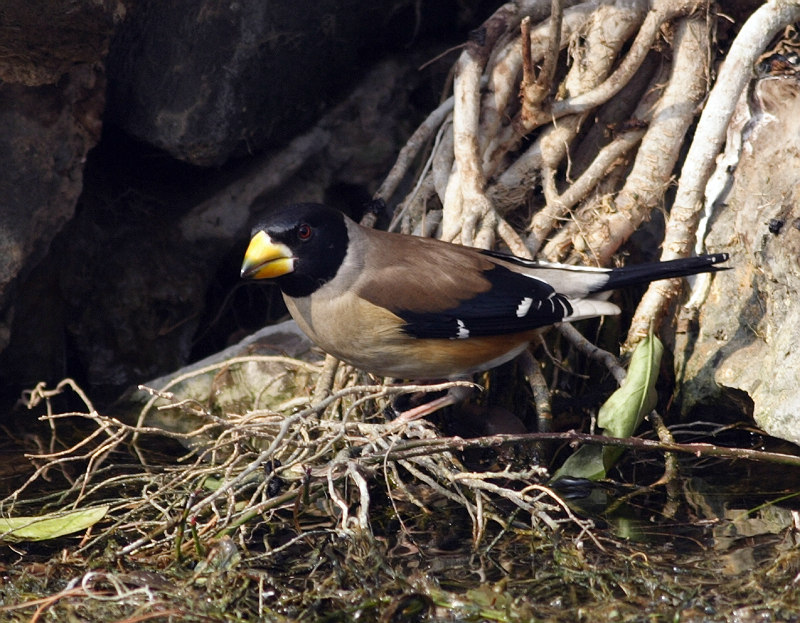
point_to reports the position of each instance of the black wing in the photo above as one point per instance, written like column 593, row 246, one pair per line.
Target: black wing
column 515, row 302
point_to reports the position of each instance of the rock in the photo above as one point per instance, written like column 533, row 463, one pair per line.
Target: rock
column 253, row 374
column 52, row 96
column 745, row 354
column 116, row 259
column 207, row 81
column 121, row 294
column 352, row 145
column 44, row 40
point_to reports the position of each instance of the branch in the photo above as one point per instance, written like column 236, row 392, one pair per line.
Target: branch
column 412, row 147
column 409, row 449
column 593, row 352
column 664, row 11
column 498, row 137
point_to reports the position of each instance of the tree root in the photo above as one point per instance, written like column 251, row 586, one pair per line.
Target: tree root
column 565, row 125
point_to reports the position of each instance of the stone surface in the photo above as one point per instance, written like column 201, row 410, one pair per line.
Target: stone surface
column 746, row 352
column 42, row 41
column 252, row 374
column 209, row 80
column 45, row 133
column 118, row 261
column 353, row 145
column 145, row 276
column 52, row 96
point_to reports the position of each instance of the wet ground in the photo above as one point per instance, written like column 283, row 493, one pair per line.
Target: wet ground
column 717, row 543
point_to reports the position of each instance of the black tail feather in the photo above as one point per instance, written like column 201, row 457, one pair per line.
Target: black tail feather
column 645, row 273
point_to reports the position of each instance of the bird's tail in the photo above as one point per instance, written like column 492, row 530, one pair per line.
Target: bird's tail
column 645, row 273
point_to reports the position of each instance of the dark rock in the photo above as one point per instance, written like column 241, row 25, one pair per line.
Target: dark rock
column 45, row 133
column 209, row 80
column 127, row 282
column 135, row 285
column 52, row 95
column 248, row 375
column 43, row 40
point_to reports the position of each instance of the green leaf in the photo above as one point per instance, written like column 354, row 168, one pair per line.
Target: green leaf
column 585, row 462
column 49, row 526
column 621, row 414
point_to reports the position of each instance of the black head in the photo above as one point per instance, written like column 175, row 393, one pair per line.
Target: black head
column 301, row 246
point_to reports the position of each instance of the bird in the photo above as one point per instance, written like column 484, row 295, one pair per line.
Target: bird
column 422, row 309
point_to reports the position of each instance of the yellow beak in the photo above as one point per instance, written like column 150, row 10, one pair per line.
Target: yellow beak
column 265, row 259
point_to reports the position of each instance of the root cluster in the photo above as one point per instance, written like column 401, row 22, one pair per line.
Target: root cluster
column 565, row 125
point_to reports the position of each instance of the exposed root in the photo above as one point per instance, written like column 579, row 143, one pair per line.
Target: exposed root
column 567, row 121
column 734, row 74
column 311, row 471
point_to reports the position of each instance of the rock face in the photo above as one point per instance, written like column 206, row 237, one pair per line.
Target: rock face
column 254, row 374
column 208, row 80
column 52, row 95
column 43, row 41
column 747, row 350
column 45, row 133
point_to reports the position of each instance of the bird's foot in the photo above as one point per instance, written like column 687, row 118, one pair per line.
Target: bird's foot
column 453, row 396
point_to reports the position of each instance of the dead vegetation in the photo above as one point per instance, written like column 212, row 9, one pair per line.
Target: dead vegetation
column 325, row 511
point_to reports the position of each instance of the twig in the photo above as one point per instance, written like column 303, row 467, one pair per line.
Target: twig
column 535, row 89
column 670, row 460
column 411, row 149
column 425, row 187
column 325, row 380
column 404, row 451
column 670, row 476
column 541, row 393
column 593, row 352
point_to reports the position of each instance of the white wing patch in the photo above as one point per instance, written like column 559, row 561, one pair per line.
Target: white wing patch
column 463, row 332
column 524, row 306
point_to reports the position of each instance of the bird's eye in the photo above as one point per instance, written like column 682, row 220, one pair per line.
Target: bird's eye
column 304, row 232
